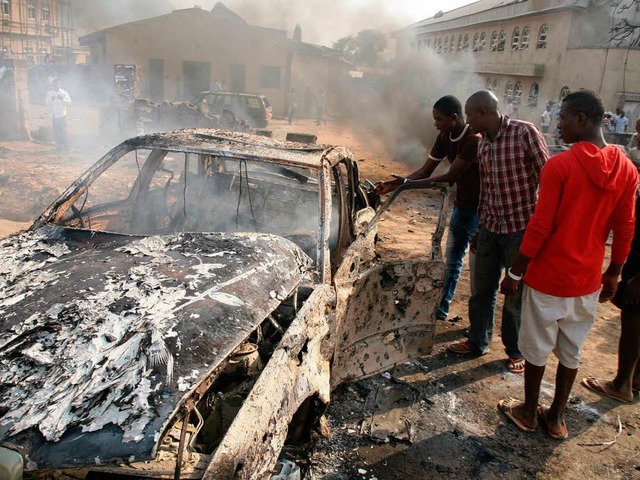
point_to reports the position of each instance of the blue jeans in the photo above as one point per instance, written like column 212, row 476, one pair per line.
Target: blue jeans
column 462, row 227
column 495, row 252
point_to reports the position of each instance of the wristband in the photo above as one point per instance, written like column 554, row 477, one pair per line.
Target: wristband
column 513, row 276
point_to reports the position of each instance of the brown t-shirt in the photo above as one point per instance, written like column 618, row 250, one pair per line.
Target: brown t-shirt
column 464, row 147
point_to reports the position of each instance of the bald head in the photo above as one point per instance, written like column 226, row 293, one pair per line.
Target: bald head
column 482, row 112
column 485, row 100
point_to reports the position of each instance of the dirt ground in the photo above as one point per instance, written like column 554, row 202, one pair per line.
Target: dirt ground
column 432, row 417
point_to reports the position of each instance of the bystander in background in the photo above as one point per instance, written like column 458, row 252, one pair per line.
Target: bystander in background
column 58, row 99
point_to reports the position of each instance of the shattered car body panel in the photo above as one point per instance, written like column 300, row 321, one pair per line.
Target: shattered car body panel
column 403, row 296
column 152, row 317
column 131, row 328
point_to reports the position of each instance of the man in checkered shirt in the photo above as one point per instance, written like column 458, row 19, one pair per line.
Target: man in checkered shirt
column 511, row 154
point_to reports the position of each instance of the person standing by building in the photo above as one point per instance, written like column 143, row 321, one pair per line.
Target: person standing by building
column 293, row 105
column 545, row 119
column 511, row 154
column 620, row 122
column 58, row 99
column 585, row 193
column 459, row 145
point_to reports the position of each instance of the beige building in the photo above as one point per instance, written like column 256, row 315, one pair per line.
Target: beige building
column 528, row 52
column 186, row 51
column 189, row 51
column 36, row 31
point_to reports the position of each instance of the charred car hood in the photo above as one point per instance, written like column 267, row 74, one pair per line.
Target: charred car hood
column 102, row 335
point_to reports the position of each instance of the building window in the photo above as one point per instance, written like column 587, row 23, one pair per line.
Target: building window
column 476, row 42
column 508, row 91
column 542, row 36
column 495, row 85
column 460, row 43
column 524, row 38
column 446, row 44
column 564, row 91
column 31, row 11
column 465, row 42
column 270, row 77
column 46, row 14
column 487, row 85
column 534, row 92
column 517, row 93
column 494, row 41
column 428, row 43
column 482, row 42
column 515, row 39
column 452, row 46
column 502, row 40
column 6, row 7
column 28, row 50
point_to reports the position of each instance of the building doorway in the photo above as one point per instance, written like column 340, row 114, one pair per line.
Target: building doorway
column 196, row 78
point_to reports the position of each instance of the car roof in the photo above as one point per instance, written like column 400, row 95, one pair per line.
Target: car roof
column 224, row 143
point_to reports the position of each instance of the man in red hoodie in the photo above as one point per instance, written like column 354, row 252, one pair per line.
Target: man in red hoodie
column 584, row 194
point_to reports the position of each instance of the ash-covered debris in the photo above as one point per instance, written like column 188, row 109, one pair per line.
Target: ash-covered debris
column 447, row 436
column 105, row 347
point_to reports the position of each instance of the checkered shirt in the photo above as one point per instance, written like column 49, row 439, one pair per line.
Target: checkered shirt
column 509, row 175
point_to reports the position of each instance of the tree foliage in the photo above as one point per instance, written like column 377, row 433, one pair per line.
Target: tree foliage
column 626, row 23
column 364, row 48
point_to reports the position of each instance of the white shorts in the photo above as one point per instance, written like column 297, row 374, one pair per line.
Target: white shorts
column 558, row 324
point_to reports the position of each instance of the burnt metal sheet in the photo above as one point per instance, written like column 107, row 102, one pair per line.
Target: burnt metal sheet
column 102, row 335
column 389, row 318
column 298, row 369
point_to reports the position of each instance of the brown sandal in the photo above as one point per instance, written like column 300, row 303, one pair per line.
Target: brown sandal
column 463, row 347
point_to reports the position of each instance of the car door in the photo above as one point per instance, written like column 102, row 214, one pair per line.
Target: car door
column 385, row 311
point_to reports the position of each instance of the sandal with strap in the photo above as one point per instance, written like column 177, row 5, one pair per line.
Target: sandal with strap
column 516, row 365
column 506, row 406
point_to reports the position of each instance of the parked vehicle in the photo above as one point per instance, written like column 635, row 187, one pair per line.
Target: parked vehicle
column 253, row 108
column 185, row 307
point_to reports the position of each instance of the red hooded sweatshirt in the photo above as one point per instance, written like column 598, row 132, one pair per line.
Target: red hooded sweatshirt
column 584, row 194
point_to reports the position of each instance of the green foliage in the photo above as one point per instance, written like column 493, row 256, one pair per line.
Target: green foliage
column 365, row 48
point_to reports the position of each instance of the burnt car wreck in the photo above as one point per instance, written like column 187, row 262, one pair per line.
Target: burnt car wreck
column 186, row 307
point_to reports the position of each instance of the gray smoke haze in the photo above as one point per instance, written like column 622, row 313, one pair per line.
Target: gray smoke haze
column 322, row 22
column 401, row 112
column 397, row 107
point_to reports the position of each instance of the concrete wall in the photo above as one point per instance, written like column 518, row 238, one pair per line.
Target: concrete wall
column 13, row 100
